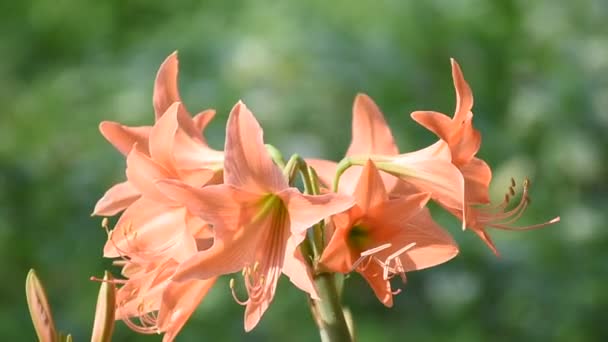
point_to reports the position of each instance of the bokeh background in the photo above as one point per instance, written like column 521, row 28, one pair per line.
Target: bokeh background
column 539, row 72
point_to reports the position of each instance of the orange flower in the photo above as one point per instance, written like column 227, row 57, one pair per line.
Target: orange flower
column 464, row 141
column 380, row 237
column 429, row 169
column 149, row 302
column 154, row 233
column 189, row 149
column 258, row 219
column 154, row 224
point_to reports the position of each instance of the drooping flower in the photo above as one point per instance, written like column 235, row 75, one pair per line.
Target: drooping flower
column 190, row 151
column 381, row 237
column 258, row 219
column 464, row 141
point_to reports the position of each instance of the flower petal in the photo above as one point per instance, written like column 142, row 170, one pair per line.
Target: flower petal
column 162, row 137
column 166, row 90
column 116, row 199
column 438, row 123
column 434, row 245
column 337, row 255
column 142, row 172
column 464, row 95
column 247, row 163
column 380, row 286
column 230, row 211
column 370, row 190
column 307, row 210
column 396, row 211
column 202, row 119
column 298, row 271
column 124, row 137
column 149, row 228
column 477, row 177
column 178, row 303
column 325, row 169
column 439, row 177
column 370, row 133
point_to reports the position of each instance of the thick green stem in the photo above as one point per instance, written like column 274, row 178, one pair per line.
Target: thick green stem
column 327, row 310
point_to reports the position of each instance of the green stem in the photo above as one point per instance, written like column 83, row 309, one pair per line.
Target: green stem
column 276, row 155
column 327, row 310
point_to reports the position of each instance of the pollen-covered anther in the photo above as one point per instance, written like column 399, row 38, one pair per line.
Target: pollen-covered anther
column 501, row 218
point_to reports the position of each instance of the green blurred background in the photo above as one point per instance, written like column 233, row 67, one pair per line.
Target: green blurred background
column 539, row 72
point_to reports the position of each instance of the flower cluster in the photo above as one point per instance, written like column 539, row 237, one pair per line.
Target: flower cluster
column 191, row 213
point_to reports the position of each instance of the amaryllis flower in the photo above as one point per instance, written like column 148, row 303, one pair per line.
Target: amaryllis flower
column 464, row 141
column 429, row 169
column 258, row 219
column 154, row 224
column 381, row 237
column 190, row 150
column 150, row 303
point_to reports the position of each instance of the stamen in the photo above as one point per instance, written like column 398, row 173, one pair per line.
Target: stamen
column 365, row 254
column 497, row 217
column 109, row 281
column 398, row 269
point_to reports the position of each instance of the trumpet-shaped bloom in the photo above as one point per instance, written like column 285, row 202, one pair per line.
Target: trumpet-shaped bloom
column 429, row 169
column 380, row 237
column 186, row 149
column 258, row 219
column 149, row 302
column 154, row 224
column 464, row 141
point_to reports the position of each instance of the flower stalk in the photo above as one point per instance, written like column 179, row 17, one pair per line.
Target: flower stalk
column 327, row 311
